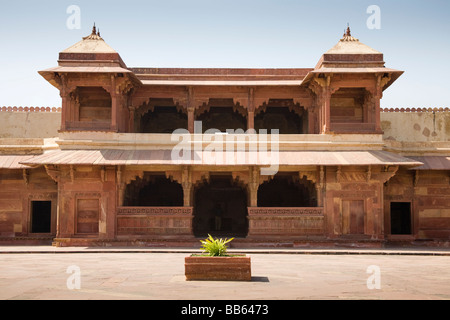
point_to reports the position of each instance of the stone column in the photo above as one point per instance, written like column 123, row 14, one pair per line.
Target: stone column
column 326, row 110
column 251, row 120
column 311, row 120
column 191, row 119
column 321, row 87
column 132, row 111
column 186, row 183
column 114, row 112
column 251, row 110
column 253, row 186
column 114, row 104
column 65, row 108
column 377, row 113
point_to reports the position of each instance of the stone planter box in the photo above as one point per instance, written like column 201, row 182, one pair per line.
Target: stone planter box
column 234, row 268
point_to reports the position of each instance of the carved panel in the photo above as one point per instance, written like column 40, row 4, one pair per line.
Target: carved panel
column 43, row 196
column 286, row 221
column 154, row 221
column 155, row 211
column 285, row 211
column 87, row 216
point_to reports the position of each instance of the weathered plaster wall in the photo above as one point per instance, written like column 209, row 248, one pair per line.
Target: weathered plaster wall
column 416, row 126
column 29, row 124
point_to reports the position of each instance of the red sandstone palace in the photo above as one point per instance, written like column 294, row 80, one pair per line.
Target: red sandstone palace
column 100, row 171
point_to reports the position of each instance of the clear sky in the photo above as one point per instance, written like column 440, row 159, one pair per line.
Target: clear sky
column 414, row 36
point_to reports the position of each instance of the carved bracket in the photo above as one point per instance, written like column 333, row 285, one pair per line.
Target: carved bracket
column 53, row 172
column 200, row 177
column 387, row 173
column 310, row 175
column 26, row 176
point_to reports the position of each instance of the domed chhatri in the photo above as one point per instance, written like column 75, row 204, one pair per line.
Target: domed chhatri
column 93, row 43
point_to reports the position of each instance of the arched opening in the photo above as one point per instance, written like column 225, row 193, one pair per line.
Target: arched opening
column 220, row 208
column 222, row 114
column 282, row 115
column 161, row 116
column 153, row 190
column 287, row 190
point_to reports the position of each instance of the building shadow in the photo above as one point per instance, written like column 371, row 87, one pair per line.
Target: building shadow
column 260, row 279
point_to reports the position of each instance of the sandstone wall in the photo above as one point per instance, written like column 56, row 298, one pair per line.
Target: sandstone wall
column 18, row 189
column 29, row 122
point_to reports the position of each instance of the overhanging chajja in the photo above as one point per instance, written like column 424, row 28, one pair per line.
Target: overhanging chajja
column 165, row 157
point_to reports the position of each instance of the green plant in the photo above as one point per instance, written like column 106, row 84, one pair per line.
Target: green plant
column 215, row 247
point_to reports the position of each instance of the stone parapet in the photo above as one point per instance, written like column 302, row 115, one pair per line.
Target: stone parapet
column 415, row 109
column 29, row 109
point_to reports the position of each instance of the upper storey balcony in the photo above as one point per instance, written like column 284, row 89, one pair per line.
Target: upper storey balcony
column 341, row 95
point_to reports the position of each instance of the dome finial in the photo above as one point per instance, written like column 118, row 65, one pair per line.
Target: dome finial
column 348, row 34
column 95, row 35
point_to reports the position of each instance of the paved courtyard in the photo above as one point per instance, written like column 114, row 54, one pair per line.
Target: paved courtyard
column 154, row 275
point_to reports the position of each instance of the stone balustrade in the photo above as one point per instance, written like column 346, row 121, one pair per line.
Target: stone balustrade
column 154, row 221
column 301, row 222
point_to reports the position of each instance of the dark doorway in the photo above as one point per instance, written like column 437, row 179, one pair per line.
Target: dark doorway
column 220, row 208
column 41, row 216
column 163, row 120
column 287, row 190
column 401, row 218
column 222, row 119
column 279, row 118
column 153, row 191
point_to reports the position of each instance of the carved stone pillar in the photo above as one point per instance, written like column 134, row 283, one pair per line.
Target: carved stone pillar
column 121, row 186
column 114, row 106
column 382, row 80
column 251, row 120
column 251, row 110
column 326, row 110
column 65, row 108
column 378, row 112
column 191, row 119
column 132, row 111
column 254, row 186
column 186, row 183
column 114, row 103
column 321, row 88
column 320, row 186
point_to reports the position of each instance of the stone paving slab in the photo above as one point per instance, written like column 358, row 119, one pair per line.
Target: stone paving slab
column 281, row 276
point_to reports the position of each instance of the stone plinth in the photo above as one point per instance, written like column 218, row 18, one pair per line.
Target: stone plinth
column 235, row 268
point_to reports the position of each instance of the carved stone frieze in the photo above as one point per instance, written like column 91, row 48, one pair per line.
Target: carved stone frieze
column 155, row 211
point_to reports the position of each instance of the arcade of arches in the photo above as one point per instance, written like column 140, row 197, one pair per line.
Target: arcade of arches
column 165, row 116
column 221, row 203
